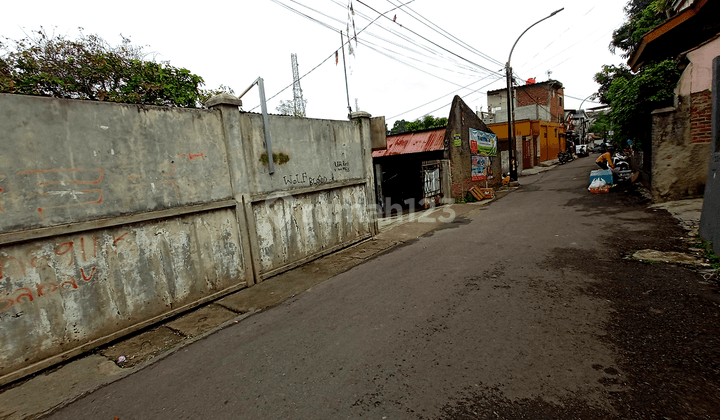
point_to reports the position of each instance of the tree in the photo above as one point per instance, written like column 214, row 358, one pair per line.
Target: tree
column 90, row 68
column 602, row 124
column 289, row 108
column 642, row 16
column 427, row 122
column 633, row 96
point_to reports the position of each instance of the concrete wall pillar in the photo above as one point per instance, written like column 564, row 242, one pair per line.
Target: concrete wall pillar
column 362, row 118
column 228, row 105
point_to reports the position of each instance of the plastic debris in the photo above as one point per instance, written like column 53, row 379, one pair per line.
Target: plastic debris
column 598, row 186
column 121, row 359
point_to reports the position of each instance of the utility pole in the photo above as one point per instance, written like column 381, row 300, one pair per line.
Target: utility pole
column 511, row 119
column 347, row 91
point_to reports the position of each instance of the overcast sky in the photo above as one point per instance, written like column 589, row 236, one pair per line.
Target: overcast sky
column 397, row 68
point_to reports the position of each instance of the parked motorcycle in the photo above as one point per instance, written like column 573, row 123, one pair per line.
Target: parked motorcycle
column 565, row 157
column 621, row 161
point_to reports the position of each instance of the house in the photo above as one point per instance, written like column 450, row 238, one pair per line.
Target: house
column 676, row 163
column 539, row 121
column 438, row 165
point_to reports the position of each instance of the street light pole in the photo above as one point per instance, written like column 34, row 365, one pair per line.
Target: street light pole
column 511, row 118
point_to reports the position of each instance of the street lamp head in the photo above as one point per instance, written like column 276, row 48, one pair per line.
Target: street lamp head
column 556, row 12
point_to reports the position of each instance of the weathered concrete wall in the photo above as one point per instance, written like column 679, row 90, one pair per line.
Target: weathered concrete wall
column 460, row 121
column 292, row 228
column 679, row 167
column 65, row 161
column 113, row 217
column 70, row 291
column 317, row 152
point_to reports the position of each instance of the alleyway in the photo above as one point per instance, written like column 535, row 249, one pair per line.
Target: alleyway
column 526, row 308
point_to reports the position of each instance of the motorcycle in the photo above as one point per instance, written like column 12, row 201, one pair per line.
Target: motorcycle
column 565, row 157
column 621, row 161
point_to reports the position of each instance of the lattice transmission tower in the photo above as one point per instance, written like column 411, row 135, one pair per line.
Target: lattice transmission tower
column 298, row 101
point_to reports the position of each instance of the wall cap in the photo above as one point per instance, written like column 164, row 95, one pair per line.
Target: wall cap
column 663, row 110
column 223, row 99
column 359, row 114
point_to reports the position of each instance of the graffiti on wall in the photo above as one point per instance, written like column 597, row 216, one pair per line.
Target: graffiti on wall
column 55, row 189
column 71, row 264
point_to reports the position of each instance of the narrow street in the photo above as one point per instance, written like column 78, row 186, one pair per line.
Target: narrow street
column 530, row 307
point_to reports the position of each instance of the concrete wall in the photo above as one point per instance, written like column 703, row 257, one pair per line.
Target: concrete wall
column 679, row 167
column 113, row 217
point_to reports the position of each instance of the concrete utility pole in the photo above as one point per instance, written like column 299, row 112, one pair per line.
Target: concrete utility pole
column 511, row 119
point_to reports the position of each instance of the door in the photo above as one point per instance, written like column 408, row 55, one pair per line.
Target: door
column 527, row 161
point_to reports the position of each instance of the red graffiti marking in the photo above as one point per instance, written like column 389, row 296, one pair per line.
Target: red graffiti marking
column 42, row 171
column 119, row 238
column 41, row 288
column 86, row 278
column 1, row 190
column 177, row 194
column 98, row 201
column 82, row 248
column 28, row 295
column 64, row 248
column 20, row 263
column 193, row 156
column 73, row 193
column 25, row 295
column 172, row 170
column 72, row 283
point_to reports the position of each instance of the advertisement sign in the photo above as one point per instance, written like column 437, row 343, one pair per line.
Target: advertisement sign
column 486, row 142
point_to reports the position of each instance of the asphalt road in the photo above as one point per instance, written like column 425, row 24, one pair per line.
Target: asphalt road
column 502, row 313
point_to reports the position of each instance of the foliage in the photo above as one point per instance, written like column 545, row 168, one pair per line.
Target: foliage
column 427, row 122
column 289, row 108
column 606, row 76
column 642, row 16
column 602, row 124
column 90, row 68
column 633, row 96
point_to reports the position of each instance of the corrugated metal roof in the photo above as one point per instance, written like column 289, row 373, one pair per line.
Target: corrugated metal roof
column 402, row 144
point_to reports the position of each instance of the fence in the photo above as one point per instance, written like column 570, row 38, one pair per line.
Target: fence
column 114, row 217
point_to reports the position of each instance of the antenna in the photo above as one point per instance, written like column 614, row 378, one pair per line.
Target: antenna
column 298, row 101
column 549, row 72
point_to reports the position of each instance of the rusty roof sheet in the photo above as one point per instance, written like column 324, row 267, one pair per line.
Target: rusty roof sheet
column 402, row 144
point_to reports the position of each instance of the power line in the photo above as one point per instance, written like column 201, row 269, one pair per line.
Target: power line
column 471, row 93
column 325, row 60
column 448, row 35
column 441, row 97
column 427, row 40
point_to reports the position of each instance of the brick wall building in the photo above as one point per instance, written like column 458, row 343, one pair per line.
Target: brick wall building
column 678, row 157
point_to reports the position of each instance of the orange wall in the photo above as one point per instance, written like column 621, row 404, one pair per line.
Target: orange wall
column 546, row 136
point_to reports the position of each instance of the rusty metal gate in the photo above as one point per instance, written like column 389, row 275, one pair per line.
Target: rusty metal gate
column 432, row 186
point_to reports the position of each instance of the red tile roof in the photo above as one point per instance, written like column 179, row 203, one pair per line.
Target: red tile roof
column 402, row 144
